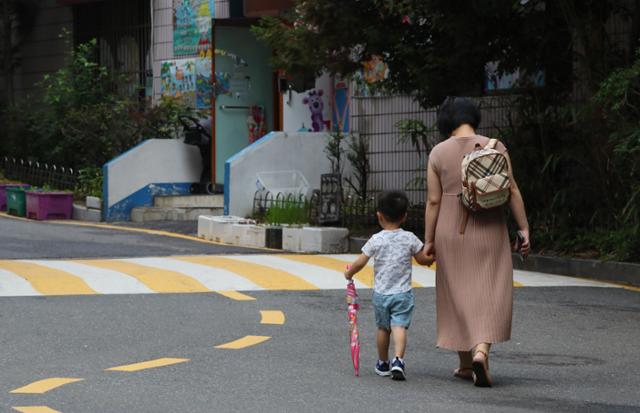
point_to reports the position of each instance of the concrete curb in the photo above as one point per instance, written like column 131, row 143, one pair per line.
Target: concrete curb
column 609, row 271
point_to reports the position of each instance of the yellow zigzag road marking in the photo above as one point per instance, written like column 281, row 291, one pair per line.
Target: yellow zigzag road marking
column 272, row 317
column 34, row 409
column 517, row 284
column 265, row 277
column 148, row 364
column 365, row 276
column 43, row 386
column 244, row 342
column 162, row 281
column 48, row 280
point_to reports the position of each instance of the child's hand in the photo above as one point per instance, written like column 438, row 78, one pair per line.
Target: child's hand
column 423, row 258
column 430, row 259
column 348, row 276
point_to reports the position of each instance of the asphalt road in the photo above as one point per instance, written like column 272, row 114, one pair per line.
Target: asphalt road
column 29, row 240
column 573, row 350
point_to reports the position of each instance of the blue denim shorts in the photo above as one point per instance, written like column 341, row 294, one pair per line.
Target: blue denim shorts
column 395, row 310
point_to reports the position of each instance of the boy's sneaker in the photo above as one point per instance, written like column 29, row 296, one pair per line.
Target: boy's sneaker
column 382, row 368
column 397, row 369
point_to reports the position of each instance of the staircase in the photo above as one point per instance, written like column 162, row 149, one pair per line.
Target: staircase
column 179, row 208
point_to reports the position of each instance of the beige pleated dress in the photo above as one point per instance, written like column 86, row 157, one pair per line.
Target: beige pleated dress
column 474, row 271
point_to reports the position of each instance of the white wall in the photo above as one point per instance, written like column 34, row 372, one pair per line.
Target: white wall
column 295, row 113
column 153, row 161
column 278, row 151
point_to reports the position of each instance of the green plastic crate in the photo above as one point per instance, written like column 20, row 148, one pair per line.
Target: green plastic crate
column 16, row 201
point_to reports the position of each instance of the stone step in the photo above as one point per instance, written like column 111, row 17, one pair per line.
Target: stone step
column 189, row 201
column 145, row 214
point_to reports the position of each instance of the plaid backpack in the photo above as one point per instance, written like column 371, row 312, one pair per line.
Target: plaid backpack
column 485, row 179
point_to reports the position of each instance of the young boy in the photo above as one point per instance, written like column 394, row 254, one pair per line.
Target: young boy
column 392, row 250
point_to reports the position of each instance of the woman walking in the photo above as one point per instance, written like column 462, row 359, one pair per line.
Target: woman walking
column 474, row 274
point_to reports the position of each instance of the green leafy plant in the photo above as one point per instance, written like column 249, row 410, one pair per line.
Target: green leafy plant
column 358, row 156
column 85, row 116
column 90, row 181
column 335, row 152
column 288, row 211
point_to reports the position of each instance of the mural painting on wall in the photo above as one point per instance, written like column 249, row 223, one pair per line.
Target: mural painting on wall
column 204, row 84
column 315, row 103
column 178, row 79
column 374, row 71
column 192, row 27
column 223, row 84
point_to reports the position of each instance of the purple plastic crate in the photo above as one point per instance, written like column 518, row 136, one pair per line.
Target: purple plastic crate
column 49, row 205
column 3, row 194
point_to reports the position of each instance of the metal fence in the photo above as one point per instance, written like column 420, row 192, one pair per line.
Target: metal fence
column 122, row 29
column 396, row 165
column 357, row 214
column 38, row 174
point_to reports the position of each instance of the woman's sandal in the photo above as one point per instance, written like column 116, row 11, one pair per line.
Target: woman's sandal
column 480, row 368
column 464, row 373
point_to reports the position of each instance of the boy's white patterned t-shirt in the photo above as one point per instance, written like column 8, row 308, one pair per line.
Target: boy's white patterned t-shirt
column 392, row 252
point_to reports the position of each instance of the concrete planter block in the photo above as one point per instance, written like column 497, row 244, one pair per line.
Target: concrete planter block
column 326, row 240
column 292, row 239
column 204, row 226
column 247, row 235
column 82, row 213
column 94, row 202
column 220, row 228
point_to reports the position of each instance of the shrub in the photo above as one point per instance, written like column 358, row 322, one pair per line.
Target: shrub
column 84, row 117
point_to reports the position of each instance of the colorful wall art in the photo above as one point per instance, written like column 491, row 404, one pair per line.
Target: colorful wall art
column 192, row 27
column 178, row 80
column 204, row 84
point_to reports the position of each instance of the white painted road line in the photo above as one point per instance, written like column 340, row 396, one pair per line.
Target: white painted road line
column 13, row 285
column 323, row 278
column 212, row 278
column 102, row 280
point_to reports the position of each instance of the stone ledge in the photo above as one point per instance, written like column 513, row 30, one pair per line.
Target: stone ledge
column 620, row 272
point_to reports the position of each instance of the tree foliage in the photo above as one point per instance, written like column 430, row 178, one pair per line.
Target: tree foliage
column 433, row 48
column 574, row 141
column 82, row 118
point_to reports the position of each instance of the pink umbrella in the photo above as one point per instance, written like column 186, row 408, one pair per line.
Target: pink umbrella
column 352, row 311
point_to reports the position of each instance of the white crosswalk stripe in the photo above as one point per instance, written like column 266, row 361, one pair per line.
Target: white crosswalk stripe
column 321, row 277
column 212, row 278
column 321, row 272
column 102, row 280
column 12, row 285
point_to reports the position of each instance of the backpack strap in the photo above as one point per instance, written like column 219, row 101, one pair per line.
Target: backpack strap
column 492, row 144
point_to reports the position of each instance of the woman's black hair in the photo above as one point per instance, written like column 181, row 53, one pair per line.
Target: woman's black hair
column 456, row 111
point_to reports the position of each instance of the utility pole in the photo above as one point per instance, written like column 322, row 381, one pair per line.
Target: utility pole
column 7, row 46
